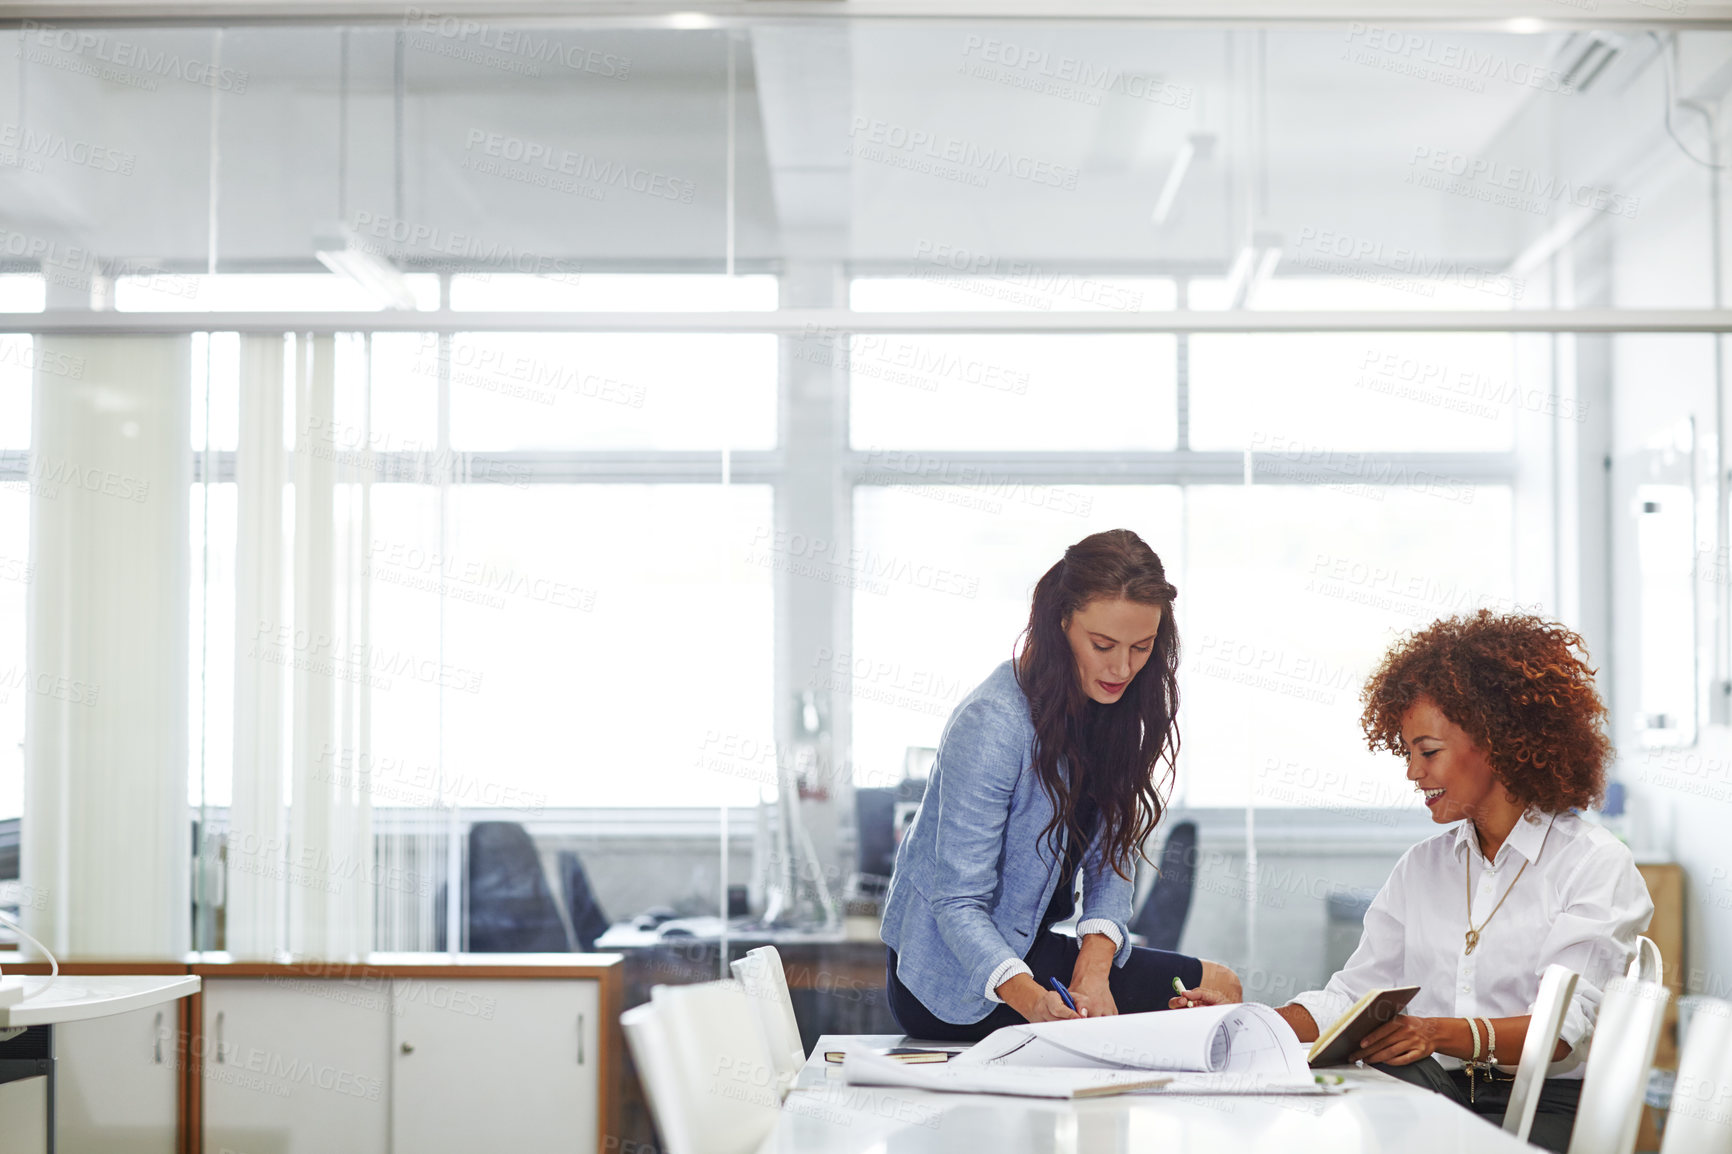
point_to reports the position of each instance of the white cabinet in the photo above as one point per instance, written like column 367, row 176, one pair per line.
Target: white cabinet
column 411, row 1065
column 494, row 1065
column 297, row 1066
column 117, row 1083
column 24, row 1116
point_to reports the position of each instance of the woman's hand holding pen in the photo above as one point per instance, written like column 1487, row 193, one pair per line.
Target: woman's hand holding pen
column 1050, row 1007
column 1024, row 995
column 1093, row 996
column 1184, row 999
column 1220, row 986
column 1090, row 983
column 1089, row 978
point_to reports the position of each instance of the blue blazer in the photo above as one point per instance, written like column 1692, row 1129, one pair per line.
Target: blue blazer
column 973, row 875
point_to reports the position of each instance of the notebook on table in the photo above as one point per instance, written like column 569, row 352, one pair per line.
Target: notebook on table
column 907, row 1055
column 1346, row 1032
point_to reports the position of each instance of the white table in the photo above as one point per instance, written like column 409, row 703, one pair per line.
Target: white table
column 1379, row 1115
column 49, row 1002
column 28, row 1052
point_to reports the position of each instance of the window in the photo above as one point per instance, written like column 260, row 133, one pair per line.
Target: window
column 1290, row 595
column 1293, row 394
column 15, row 575
column 945, row 577
column 1380, row 499
column 1011, row 392
column 598, row 641
column 603, row 390
column 585, row 566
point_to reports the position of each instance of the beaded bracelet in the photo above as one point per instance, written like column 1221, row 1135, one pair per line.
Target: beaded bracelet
column 1472, row 1064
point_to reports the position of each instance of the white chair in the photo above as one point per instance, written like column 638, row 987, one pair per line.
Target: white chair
column 1647, row 964
column 766, row 983
column 1557, row 987
column 655, row 1067
column 719, row 1089
column 1699, row 1120
column 1619, row 1057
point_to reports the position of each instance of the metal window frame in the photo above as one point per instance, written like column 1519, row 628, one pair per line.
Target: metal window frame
column 837, row 322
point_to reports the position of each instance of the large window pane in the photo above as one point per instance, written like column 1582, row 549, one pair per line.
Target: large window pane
column 211, row 628
column 556, row 287
column 159, row 291
column 597, row 637
column 1011, row 392
column 961, row 281
column 1373, row 290
column 1294, row 593
column 17, row 364
column 1294, row 393
column 1287, row 596
column 21, row 292
column 596, row 391
column 15, row 574
column 945, row 578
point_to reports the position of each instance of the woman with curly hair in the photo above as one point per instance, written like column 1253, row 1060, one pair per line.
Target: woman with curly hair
column 1499, row 723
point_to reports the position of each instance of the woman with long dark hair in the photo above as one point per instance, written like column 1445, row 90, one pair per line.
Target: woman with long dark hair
column 1050, row 770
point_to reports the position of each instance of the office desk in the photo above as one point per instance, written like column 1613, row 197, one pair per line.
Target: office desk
column 824, row 1115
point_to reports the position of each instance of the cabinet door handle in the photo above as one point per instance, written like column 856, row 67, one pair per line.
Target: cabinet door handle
column 407, row 1048
column 580, row 1038
column 219, row 1039
column 156, row 1054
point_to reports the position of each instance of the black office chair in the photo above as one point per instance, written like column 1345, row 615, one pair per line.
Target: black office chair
column 875, row 818
column 1161, row 920
column 511, row 907
column 587, row 920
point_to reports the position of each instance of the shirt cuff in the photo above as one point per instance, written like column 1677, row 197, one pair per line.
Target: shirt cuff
column 1325, row 1008
column 1100, row 926
column 1576, row 1024
column 1007, row 970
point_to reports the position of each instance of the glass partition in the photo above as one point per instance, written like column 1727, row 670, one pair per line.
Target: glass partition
column 640, row 439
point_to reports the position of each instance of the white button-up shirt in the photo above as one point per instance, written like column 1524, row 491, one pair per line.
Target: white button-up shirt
column 1581, row 903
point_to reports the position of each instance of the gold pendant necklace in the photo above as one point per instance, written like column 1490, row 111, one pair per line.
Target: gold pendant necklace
column 1472, row 935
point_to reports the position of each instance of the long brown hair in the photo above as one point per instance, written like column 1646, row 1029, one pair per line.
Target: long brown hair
column 1112, row 751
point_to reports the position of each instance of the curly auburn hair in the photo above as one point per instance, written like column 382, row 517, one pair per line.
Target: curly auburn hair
column 1519, row 685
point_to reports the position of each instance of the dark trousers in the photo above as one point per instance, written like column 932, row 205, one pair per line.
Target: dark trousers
column 1143, row 983
column 1553, row 1120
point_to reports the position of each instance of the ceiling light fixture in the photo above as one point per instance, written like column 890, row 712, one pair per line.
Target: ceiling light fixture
column 1197, row 144
column 346, row 255
column 1252, row 268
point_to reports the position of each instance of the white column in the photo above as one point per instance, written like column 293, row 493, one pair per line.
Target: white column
column 107, row 831
column 814, row 617
column 258, row 826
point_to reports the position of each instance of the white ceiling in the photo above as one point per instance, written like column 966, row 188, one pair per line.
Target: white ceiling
column 1315, row 131
column 1489, row 13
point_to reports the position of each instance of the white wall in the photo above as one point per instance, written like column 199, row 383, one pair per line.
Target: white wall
column 1681, row 798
